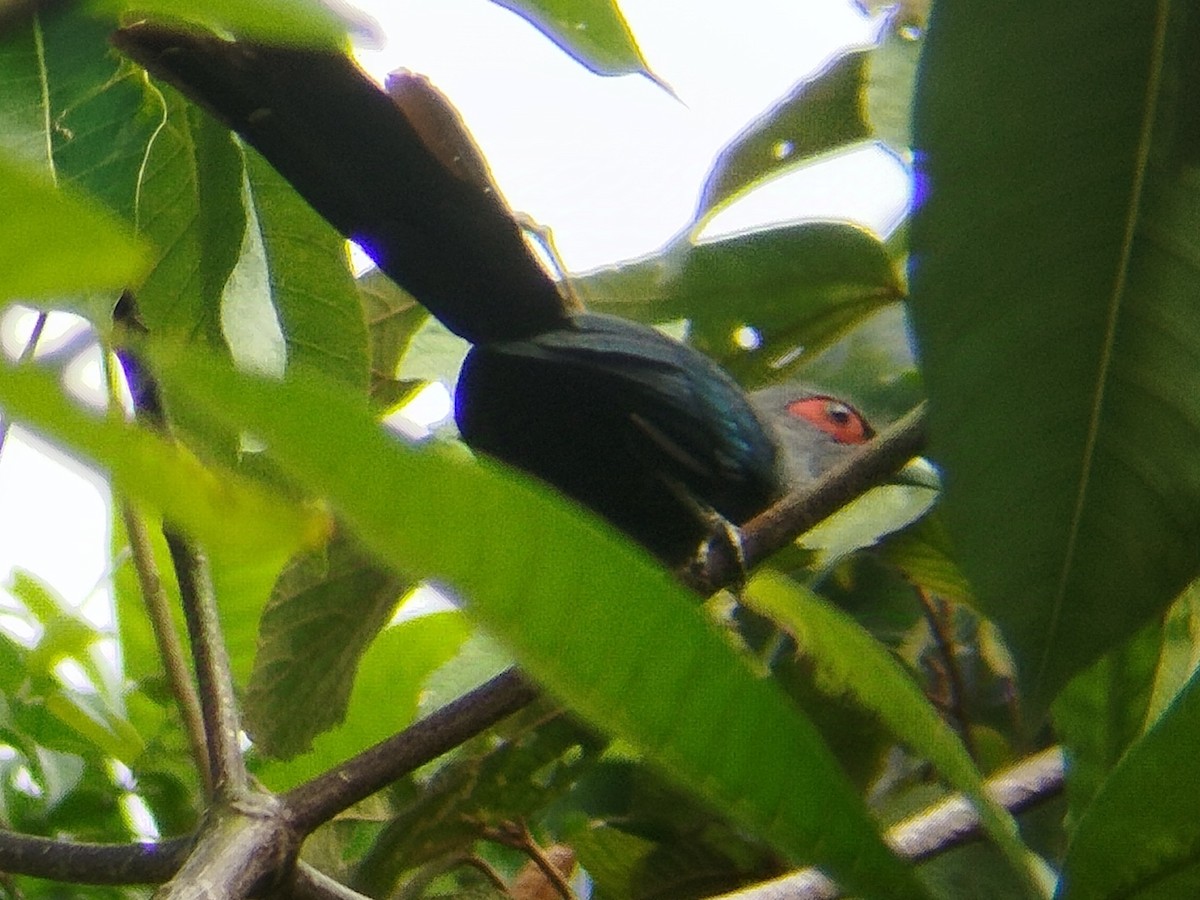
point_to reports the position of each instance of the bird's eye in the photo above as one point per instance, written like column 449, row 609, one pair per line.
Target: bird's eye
column 839, row 420
column 839, row 413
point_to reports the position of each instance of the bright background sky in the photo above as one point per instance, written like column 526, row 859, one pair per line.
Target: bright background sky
column 613, row 165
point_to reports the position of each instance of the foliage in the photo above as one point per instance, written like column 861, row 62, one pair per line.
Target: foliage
column 912, row 645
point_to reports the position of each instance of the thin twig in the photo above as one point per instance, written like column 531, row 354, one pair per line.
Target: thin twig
column 27, row 353
column 481, row 865
column 170, row 648
column 312, row 884
column 214, row 677
column 936, row 612
column 162, row 623
column 517, row 836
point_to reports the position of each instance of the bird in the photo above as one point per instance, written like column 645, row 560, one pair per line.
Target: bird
column 647, row 432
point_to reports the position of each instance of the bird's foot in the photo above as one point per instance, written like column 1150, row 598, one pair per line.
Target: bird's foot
column 721, row 550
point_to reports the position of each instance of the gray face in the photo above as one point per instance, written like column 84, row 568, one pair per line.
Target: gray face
column 814, row 431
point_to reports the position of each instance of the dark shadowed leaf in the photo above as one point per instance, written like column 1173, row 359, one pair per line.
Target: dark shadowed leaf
column 924, row 554
column 393, row 318
column 1154, row 852
column 1055, row 265
column 536, row 756
column 797, row 288
column 849, row 660
column 388, row 687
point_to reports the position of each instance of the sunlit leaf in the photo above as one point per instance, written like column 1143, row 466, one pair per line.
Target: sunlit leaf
column 301, row 22
column 819, row 114
column 311, row 286
column 224, row 512
column 54, row 241
column 578, row 604
column 594, row 32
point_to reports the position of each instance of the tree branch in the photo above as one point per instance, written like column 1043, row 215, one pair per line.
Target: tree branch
column 320, row 799
column 802, row 509
column 84, row 863
column 218, row 702
column 949, row 824
column 244, row 846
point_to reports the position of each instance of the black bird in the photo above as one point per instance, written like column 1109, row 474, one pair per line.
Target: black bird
column 646, row 431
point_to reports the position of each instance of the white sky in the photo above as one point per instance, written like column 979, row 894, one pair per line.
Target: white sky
column 613, row 165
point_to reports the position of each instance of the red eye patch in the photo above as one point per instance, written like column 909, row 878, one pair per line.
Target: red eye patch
column 839, row 420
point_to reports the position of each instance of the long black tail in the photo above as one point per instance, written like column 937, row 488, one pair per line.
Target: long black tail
column 422, row 211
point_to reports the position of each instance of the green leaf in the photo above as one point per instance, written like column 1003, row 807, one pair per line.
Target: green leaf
column 891, row 78
column 65, row 634
column 923, row 553
column 388, row 682
column 311, row 285
column 799, row 288
column 863, row 522
column 302, row 22
column 593, row 32
column 94, row 716
column 638, row 836
column 849, row 660
column 1055, row 269
column 579, row 605
column 1179, row 652
column 68, row 106
column 393, row 318
column 54, row 241
column 326, row 608
column 1155, row 851
column 819, row 114
column 537, row 756
column 24, row 115
column 1102, row 711
column 224, row 512
column 190, row 203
